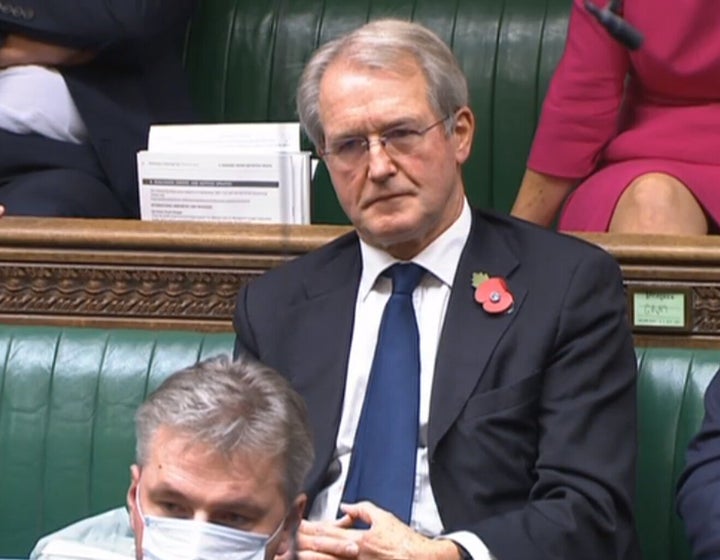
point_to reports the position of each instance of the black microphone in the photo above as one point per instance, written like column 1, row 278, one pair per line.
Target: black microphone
column 615, row 25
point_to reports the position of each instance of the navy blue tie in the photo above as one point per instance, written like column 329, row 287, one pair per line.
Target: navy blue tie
column 382, row 468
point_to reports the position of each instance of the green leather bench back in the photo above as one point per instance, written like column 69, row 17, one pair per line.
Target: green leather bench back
column 671, row 386
column 68, row 397
column 244, row 58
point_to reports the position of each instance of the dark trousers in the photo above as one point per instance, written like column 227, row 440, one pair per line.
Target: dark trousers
column 44, row 177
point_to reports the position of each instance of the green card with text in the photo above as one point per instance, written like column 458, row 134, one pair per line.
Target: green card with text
column 659, row 309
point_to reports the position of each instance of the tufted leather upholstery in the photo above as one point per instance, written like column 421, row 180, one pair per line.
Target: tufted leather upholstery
column 671, row 386
column 67, row 399
column 244, row 58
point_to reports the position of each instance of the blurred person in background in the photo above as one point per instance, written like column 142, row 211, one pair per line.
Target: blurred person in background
column 80, row 84
column 628, row 140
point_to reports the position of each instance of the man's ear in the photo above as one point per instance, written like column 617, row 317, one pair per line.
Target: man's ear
column 132, row 497
column 291, row 523
column 132, row 501
column 463, row 133
column 297, row 508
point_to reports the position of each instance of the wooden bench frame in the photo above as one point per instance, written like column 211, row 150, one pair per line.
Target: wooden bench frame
column 125, row 273
column 675, row 264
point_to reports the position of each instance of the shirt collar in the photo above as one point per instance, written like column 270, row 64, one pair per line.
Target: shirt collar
column 440, row 258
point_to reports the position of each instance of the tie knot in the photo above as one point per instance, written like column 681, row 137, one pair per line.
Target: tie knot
column 405, row 277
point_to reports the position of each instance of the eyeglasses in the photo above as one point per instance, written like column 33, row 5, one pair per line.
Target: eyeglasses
column 398, row 141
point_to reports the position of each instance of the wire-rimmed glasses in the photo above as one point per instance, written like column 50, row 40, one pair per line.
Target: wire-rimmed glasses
column 398, row 141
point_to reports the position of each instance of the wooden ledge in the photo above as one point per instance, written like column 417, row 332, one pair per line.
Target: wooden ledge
column 295, row 239
column 127, row 273
column 144, row 236
column 659, row 249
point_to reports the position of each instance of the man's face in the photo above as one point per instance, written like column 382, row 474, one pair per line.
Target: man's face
column 399, row 203
column 190, row 480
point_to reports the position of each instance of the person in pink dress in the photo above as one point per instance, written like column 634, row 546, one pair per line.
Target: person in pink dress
column 629, row 141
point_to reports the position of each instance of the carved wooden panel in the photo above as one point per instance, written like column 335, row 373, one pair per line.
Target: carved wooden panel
column 706, row 309
column 672, row 264
column 137, row 274
column 139, row 292
column 186, row 275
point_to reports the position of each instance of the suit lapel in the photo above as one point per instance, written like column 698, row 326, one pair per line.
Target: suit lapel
column 469, row 333
column 317, row 338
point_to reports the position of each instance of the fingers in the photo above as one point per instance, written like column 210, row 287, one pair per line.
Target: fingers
column 364, row 511
column 388, row 538
column 326, row 548
column 312, row 555
column 346, row 521
column 287, row 555
column 310, row 529
column 317, row 540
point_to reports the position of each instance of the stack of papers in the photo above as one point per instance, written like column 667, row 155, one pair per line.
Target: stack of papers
column 225, row 173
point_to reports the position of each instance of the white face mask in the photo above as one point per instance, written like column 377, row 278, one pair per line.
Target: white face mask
column 168, row 538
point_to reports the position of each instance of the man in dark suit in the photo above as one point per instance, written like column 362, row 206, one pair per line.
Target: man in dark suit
column 699, row 485
column 525, row 411
column 80, row 84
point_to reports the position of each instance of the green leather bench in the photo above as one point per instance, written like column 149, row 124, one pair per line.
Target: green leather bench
column 244, row 58
column 68, row 395
column 671, row 386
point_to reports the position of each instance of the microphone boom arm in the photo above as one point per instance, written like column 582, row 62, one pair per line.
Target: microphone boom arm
column 620, row 29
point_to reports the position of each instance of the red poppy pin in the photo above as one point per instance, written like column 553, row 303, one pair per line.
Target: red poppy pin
column 492, row 293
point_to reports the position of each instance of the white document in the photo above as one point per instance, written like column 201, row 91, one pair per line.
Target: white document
column 225, row 173
column 224, row 138
column 244, row 187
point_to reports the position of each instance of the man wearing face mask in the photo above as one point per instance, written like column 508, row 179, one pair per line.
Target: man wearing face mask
column 222, row 452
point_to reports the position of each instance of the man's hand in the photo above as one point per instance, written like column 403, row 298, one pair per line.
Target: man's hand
column 18, row 50
column 387, row 538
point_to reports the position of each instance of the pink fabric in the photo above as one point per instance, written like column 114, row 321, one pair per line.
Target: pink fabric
column 669, row 120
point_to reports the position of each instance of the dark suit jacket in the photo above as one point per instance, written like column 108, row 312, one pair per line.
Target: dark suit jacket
column 135, row 80
column 699, row 484
column 532, row 428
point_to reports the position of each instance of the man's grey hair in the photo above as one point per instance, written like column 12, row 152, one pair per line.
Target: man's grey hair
column 236, row 408
column 388, row 45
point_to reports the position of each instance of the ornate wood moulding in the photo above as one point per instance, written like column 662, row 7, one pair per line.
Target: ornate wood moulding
column 185, row 275
column 137, row 274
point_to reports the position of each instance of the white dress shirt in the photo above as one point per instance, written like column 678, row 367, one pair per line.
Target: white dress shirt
column 430, row 300
column 35, row 100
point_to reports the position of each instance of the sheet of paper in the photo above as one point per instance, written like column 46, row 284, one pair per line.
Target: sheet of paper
column 224, row 138
column 250, row 172
column 297, row 168
column 242, row 187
